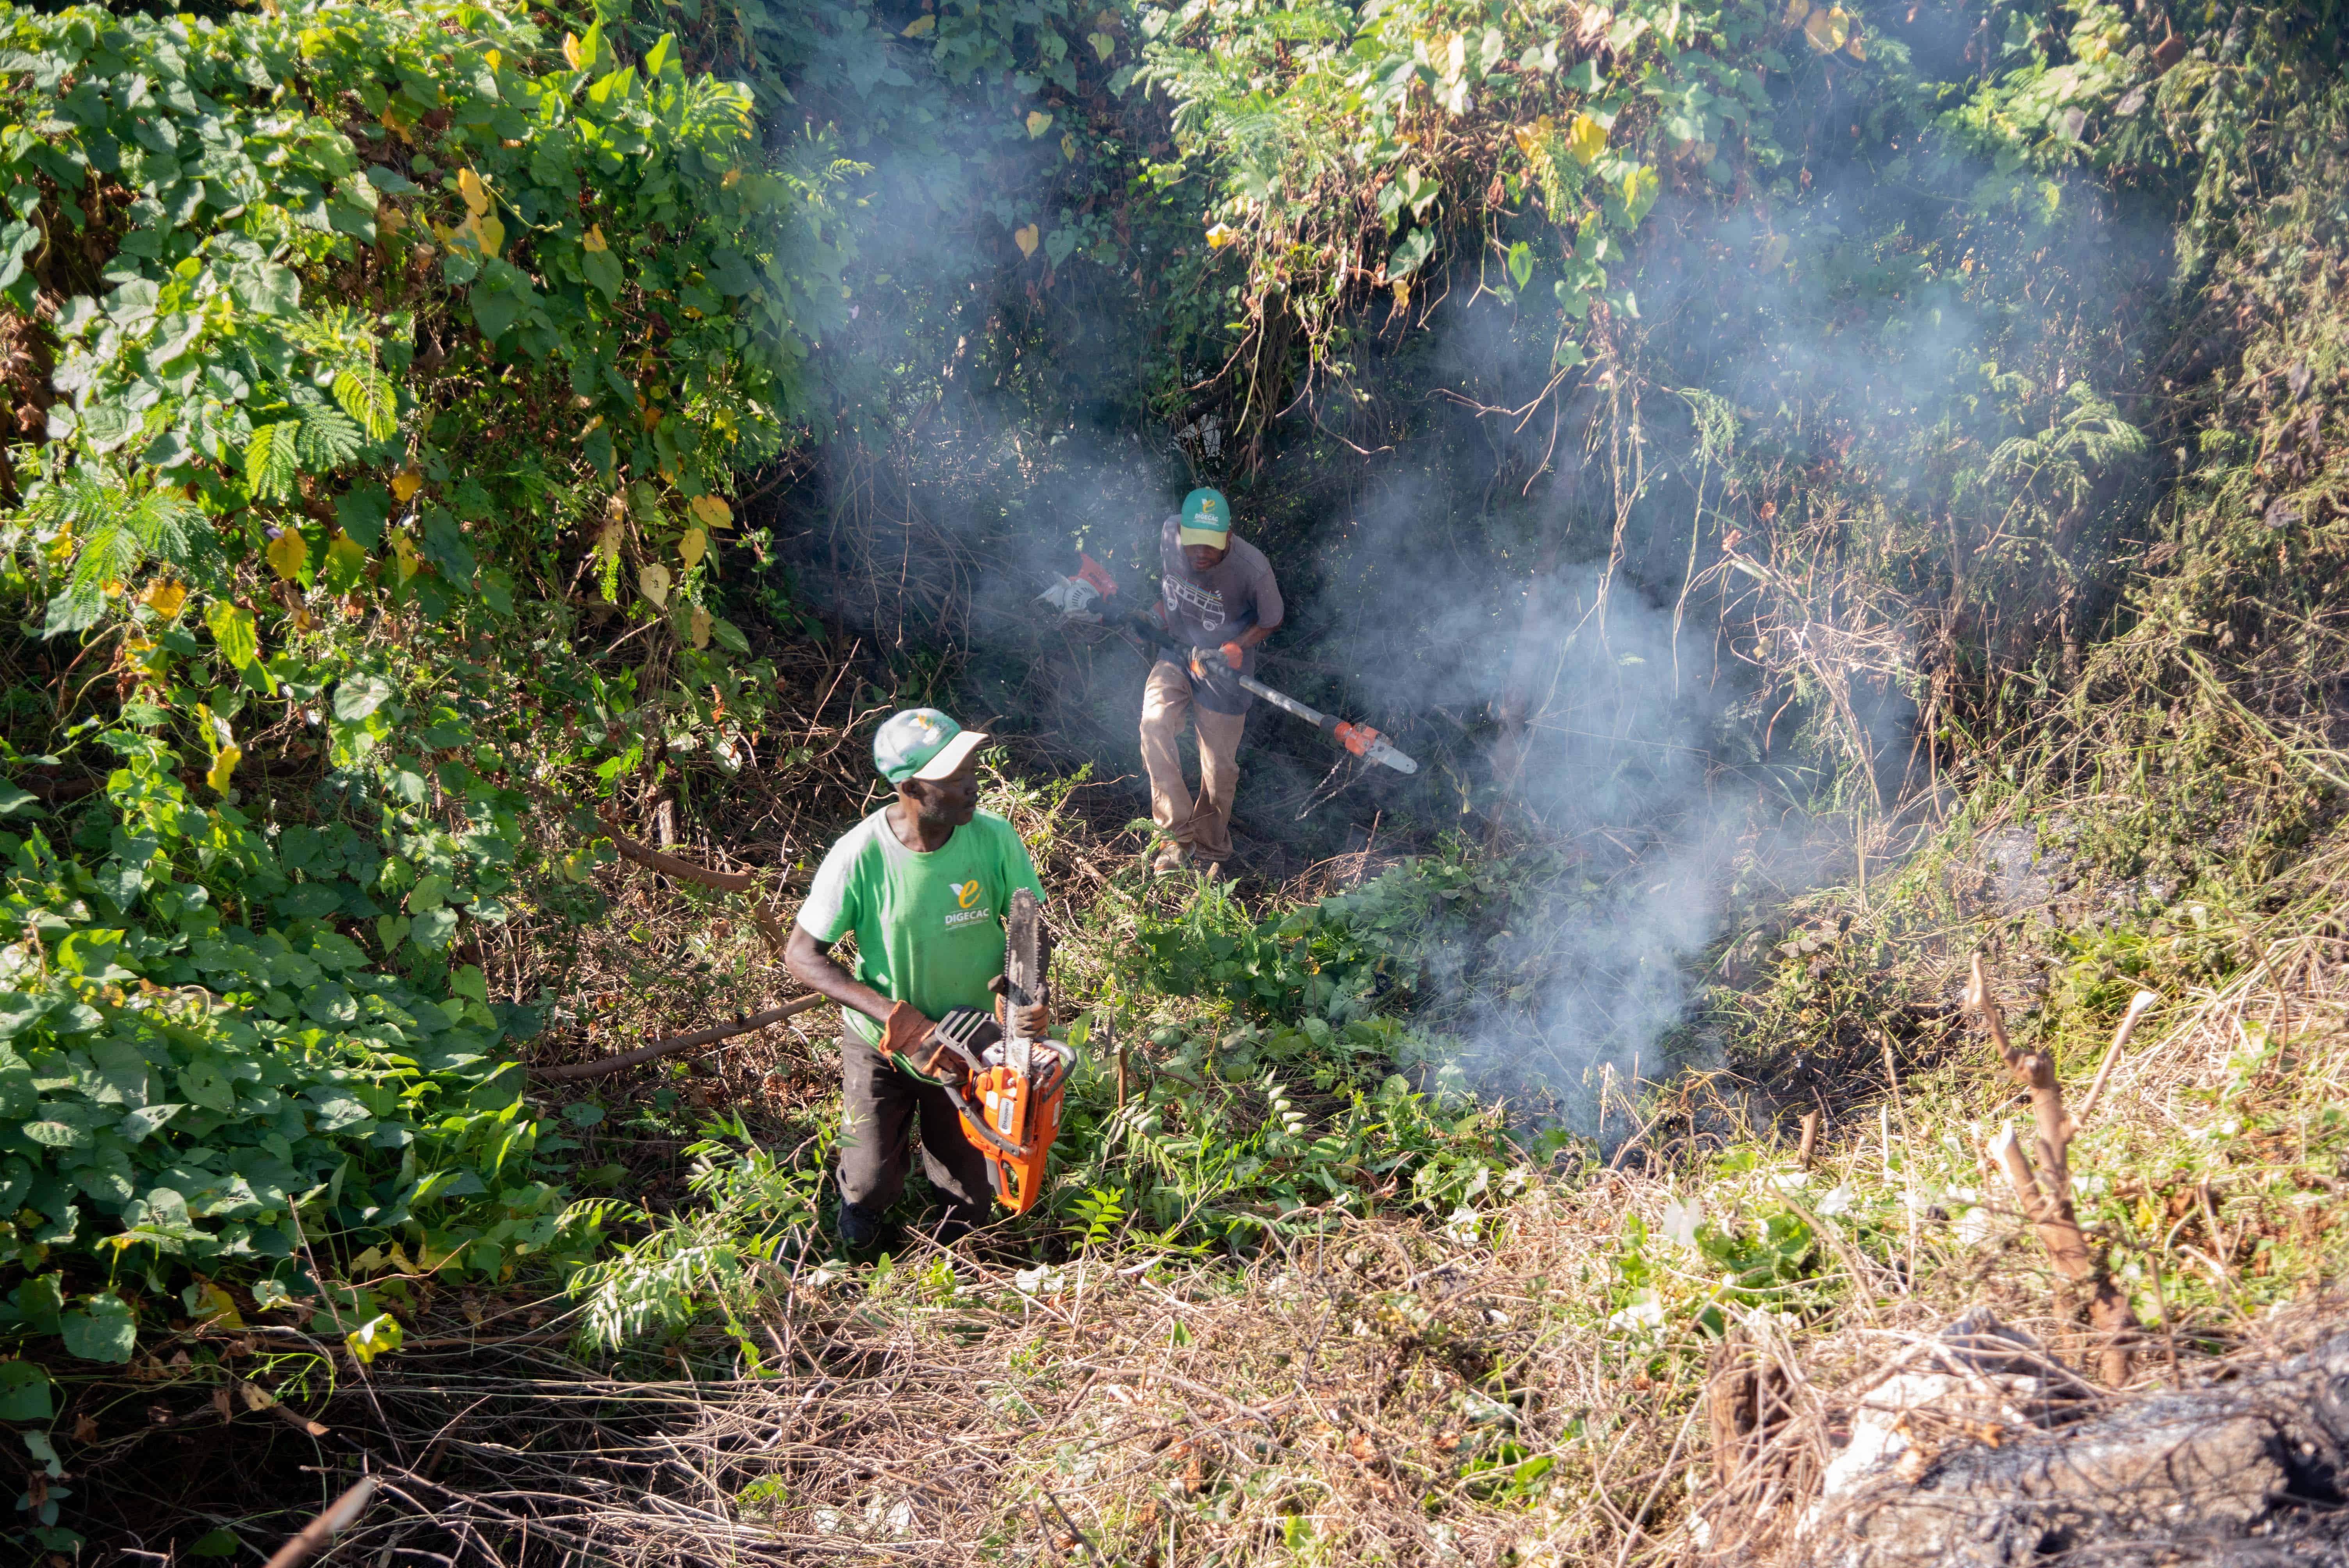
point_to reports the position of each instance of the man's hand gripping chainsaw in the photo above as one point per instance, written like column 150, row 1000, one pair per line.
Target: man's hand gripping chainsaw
column 1005, row 1084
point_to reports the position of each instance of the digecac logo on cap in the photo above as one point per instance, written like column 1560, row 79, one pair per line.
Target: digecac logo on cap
column 1206, row 518
column 922, row 742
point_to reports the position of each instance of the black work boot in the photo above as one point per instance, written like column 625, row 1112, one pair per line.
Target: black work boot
column 858, row 1227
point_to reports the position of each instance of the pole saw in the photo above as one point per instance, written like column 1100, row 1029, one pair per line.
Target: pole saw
column 1075, row 596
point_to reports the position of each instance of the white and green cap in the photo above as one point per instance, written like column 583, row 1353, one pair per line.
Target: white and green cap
column 922, row 742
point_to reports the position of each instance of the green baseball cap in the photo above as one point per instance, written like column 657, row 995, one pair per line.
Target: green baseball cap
column 1206, row 518
column 922, row 742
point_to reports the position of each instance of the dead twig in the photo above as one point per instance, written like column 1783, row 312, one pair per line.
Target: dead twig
column 320, row 1532
column 2048, row 1202
column 675, row 1045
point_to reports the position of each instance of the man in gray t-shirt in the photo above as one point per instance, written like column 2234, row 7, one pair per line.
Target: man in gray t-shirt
column 1217, row 594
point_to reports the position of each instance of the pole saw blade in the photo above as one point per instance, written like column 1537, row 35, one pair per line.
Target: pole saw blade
column 1075, row 596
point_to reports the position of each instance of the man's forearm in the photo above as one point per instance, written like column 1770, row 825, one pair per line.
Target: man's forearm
column 1255, row 634
column 812, row 967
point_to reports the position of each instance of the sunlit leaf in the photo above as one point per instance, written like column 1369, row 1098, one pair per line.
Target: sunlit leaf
column 919, row 27
column 653, row 581
column 698, row 626
column 378, row 1336
column 689, row 548
column 288, row 553
column 345, row 562
column 1025, row 239
column 404, row 484
column 476, row 194
column 164, row 597
column 1585, row 139
column 1038, row 122
column 1827, row 28
column 712, row 511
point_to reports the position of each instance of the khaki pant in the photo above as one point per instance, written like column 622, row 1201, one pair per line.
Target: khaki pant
column 1202, row 823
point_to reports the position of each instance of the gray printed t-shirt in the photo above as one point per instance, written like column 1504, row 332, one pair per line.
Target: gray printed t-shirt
column 1208, row 609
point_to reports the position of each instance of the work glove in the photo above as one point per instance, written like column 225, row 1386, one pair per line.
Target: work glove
column 1234, row 655
column 1035, row 1020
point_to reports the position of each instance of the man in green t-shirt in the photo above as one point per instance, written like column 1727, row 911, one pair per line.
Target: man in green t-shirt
column 923, row 885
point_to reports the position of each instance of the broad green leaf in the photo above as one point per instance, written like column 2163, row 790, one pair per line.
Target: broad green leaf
column 101, row 1329
column 1521, row 263
column 24, row 1392
column 359, row 695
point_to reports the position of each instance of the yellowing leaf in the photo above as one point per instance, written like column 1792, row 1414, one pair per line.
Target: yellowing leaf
column 406, row 483
column 712, row 513
column 1103, row 45
column 164, row 599
column 919, row 27
column 654, row 581
column 1827, row 28
column 692, row 547
column 1219, row 236
column 1025, row 239
column 390, row 219
column 1796, row 10
column 1069, row 147
column 1856, row 48
column 1038, row 122
column 216, row 1307
column 288, row 553
column 487, row 234
column 476, row 194
column 224, row 767
column 1586, row 139
column 572, row 55
column 346, row 561
column 403, row 549
column 592, row 241
column 697, row 626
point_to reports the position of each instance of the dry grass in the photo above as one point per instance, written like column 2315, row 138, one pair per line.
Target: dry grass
column 1393, row 1390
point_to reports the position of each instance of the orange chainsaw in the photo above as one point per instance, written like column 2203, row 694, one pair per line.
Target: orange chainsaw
column 1009, row 1093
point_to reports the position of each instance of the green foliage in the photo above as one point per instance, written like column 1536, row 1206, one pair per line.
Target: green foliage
column 755, row 1209
column 200, row 1072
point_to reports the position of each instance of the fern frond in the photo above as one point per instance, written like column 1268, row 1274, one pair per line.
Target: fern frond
column 369, row 396
column 269, row 466
column 167, row 525
column 328, row 438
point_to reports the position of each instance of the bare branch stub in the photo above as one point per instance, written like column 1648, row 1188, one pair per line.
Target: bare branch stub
column 2046, row 1195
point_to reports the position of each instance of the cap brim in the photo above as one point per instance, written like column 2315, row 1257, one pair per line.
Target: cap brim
column 950, row 756
column 1215, row 537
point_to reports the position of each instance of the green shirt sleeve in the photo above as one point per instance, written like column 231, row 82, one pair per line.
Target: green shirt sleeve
column 1019, row 868
column 830, row 909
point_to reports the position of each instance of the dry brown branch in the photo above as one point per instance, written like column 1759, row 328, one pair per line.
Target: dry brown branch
column 320, row 1532
column 2048, row 1202
column 670, row 866
column 675, row 1045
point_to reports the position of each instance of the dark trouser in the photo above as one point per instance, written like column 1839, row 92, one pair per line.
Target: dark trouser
column 879, row 1105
